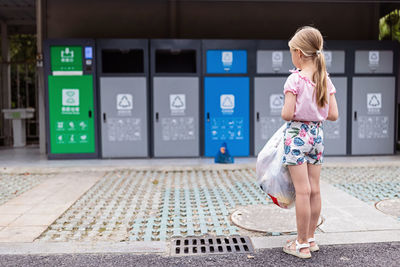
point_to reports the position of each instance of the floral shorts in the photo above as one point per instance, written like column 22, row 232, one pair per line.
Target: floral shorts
column 303, row 143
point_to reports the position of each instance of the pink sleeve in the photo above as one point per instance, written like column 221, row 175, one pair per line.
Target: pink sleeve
column 291, row 85
column 331, row 87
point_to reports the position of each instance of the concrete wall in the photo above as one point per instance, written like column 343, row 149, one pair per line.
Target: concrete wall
column 208, row 19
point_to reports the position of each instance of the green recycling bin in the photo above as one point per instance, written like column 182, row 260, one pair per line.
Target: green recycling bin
column 71, row 101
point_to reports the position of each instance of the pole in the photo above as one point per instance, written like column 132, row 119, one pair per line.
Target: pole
column 6, row 80
column 40, row 73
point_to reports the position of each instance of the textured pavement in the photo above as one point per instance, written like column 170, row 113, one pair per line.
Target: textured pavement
column 160, row 203
column 15, row 184
column 130, row 205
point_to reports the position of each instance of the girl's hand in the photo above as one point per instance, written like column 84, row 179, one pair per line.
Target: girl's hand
column 289, row 106
column 333, row 112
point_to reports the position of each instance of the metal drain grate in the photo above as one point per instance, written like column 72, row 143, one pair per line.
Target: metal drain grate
column 211, row 245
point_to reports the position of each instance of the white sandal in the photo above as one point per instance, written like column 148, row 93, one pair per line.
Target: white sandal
column 297, row 252
column 315, row 247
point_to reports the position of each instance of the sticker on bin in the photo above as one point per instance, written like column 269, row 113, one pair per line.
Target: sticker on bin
column 277, row 60
column 227, row 103
column 374, row 103
column 70, row 102
column 373, row 59
column 177, row 104
column 70, row 97
column 124, row 102
column 67, row 55
column 276, row 102
column 227, row 59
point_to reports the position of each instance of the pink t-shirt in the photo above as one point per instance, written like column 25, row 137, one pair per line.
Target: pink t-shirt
column 306, row 106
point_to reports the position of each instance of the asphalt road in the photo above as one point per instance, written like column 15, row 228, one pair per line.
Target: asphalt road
column 376, row 254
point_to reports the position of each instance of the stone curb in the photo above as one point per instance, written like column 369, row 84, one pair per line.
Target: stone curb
column 143, row 247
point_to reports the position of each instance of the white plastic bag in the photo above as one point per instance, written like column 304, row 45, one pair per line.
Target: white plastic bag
column 272, row 176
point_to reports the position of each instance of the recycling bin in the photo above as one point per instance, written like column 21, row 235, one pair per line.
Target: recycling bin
column 228, row 69
column 175, row 77
column 18, row 117
column 70, row 79
column 273, row 61
column 373, row 98
column 122, row 70
column 335, row 132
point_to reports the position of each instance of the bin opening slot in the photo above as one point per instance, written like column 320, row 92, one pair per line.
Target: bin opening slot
column 122, row 61
column 175, row 61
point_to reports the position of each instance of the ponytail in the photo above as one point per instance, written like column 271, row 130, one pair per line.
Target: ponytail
column 310, row 42
column 320, row 76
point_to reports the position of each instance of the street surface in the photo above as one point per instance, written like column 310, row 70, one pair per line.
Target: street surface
column 373, row 254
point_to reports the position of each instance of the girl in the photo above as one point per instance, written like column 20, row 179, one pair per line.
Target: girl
column 309, row 100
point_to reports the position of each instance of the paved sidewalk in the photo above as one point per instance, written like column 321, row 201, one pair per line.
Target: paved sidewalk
column 28, row 215
column 97, row 206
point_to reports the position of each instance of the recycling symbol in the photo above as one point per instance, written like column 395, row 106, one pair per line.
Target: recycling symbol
column 124, row 102
column 277, row 57
column 373, row 57
column 177, row 102
column 374, row 101
column 276, row 101
column 227, row 103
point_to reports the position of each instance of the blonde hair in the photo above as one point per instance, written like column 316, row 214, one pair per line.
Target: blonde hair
column 310, row 42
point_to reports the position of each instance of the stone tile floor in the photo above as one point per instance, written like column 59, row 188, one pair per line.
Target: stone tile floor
column 14, row 184
column 151, row 204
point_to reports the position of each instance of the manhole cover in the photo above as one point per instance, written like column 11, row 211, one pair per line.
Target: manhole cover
column 211, row 245
column 266, row 218
column 389, row 206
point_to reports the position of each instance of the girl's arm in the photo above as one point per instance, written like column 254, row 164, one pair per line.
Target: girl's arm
column 333, row 112
column 289, row 106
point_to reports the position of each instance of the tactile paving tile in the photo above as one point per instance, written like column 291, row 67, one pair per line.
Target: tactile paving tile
column 158, row 205
column 13, row 185
column 145, row 205
column 369, row 184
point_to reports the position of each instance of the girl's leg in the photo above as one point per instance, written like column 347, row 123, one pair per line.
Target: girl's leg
column 314, row 172
column 301, row 183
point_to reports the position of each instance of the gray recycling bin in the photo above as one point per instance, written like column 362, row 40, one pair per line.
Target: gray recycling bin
column 273, row 64
column 123, row 86
column 373, row 99
column 175, row 76
column 335, row 132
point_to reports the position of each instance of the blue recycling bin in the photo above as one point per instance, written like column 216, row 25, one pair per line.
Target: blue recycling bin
column 227, row 96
